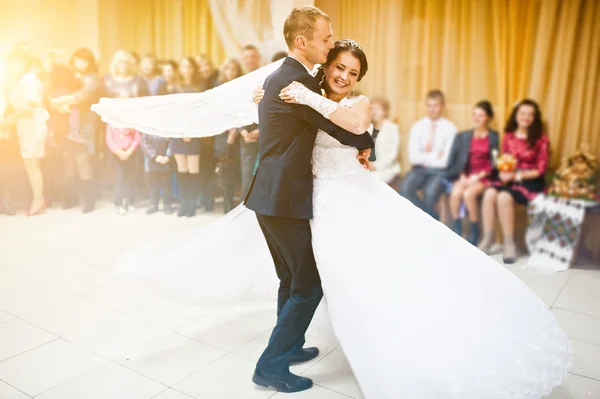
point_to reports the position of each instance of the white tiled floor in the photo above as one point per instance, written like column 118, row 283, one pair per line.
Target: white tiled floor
column 70, row 328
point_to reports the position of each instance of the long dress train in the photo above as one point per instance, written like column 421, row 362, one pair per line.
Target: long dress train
column 418, row 311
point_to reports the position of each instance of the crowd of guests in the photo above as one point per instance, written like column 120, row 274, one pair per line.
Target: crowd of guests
column 49, row 111
column 46, row 121
column 463, row 165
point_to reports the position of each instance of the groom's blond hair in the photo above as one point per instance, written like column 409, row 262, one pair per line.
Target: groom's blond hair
column 302, row 21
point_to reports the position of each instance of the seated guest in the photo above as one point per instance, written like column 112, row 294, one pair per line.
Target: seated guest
column 525, row 139
column 384, row 156
column 429, row 148
column 471, row 164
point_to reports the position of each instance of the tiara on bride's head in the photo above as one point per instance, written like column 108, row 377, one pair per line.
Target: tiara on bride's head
column 351, row 42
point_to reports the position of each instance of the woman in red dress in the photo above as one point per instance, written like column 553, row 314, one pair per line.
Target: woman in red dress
column 524, row 138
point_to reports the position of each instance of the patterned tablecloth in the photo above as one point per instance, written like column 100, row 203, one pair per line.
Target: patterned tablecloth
column 554, row 232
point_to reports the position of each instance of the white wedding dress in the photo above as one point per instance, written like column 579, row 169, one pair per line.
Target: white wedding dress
column 418, row 311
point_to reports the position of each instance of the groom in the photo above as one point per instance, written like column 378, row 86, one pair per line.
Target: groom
column 281, row 195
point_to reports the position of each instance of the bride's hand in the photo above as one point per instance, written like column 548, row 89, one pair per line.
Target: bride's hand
column 285, row 92
column 363, row 158
column 258, row 95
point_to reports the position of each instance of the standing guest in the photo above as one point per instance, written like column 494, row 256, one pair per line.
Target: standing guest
column 525, row 139
column 78, row 143
column 157, row 162
column 227, row 146
column 207, row 80
column 29, row 119
column 249, row 134
column 187, row 150
column 250, row 58
column 429, row 148
column 150, row 72
column 124, row 82
column 471, row 165
column 279, row 55
column 208, row 74
column 123, row 143
column 9, row 157
column 170, row 74
column 384, row 156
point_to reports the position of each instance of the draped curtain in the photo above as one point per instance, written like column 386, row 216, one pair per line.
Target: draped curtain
column 500, row 50
column 166, row 28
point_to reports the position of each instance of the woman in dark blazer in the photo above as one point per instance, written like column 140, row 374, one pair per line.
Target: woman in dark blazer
column 471, row 166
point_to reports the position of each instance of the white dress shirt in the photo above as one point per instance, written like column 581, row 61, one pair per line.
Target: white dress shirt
column 387, row 146
column 437, row 157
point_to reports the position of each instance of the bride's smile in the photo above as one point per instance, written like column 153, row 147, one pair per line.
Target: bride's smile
column 342, row 74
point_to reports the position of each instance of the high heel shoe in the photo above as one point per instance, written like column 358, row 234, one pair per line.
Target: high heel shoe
column 40, row 210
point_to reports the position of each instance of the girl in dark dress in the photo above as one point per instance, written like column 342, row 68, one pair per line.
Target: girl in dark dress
column 187, row 150
column 525, row 139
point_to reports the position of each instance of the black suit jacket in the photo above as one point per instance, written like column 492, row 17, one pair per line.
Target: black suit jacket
column 459, row 154
column 283, row 183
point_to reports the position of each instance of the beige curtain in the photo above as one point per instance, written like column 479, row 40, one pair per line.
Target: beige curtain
column 240, row 22
column 166, row 28
column 199, row 32
column 500, row 50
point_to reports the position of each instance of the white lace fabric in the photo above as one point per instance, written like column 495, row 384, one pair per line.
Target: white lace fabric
column 319, row 103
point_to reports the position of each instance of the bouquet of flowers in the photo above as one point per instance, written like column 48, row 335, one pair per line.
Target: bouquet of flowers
column 505, row 162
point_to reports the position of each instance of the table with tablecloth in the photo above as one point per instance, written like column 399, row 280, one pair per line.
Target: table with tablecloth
column 555, row 231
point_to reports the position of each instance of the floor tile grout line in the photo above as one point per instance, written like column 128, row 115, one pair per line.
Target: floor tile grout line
column 561, row 290
column 329, row 354
column 583, row 341
column 68, row 380
column 584, row 376
column 333, row 390
column 29, row 396
column 113, row 360
column 575, row 311
column 200, row 369
column 176, row 390
column 31, row 349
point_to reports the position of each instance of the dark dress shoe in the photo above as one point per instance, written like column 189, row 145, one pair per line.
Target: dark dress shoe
column 304, row 355
column 287, row 384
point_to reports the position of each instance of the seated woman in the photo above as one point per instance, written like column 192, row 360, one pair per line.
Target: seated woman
column 525, row 139
column 384, row 156
column 471, row 164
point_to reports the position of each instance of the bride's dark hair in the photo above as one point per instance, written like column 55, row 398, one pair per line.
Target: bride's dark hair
column 354, row 48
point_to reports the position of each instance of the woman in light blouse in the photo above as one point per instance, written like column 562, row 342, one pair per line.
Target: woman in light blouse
column 384, row 156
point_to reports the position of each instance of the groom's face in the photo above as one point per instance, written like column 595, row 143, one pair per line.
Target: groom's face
column 318, row 47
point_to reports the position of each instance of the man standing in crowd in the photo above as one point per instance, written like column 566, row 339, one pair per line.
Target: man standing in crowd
column 249, row 134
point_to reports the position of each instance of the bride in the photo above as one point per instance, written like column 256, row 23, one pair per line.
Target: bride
column 418, row 311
